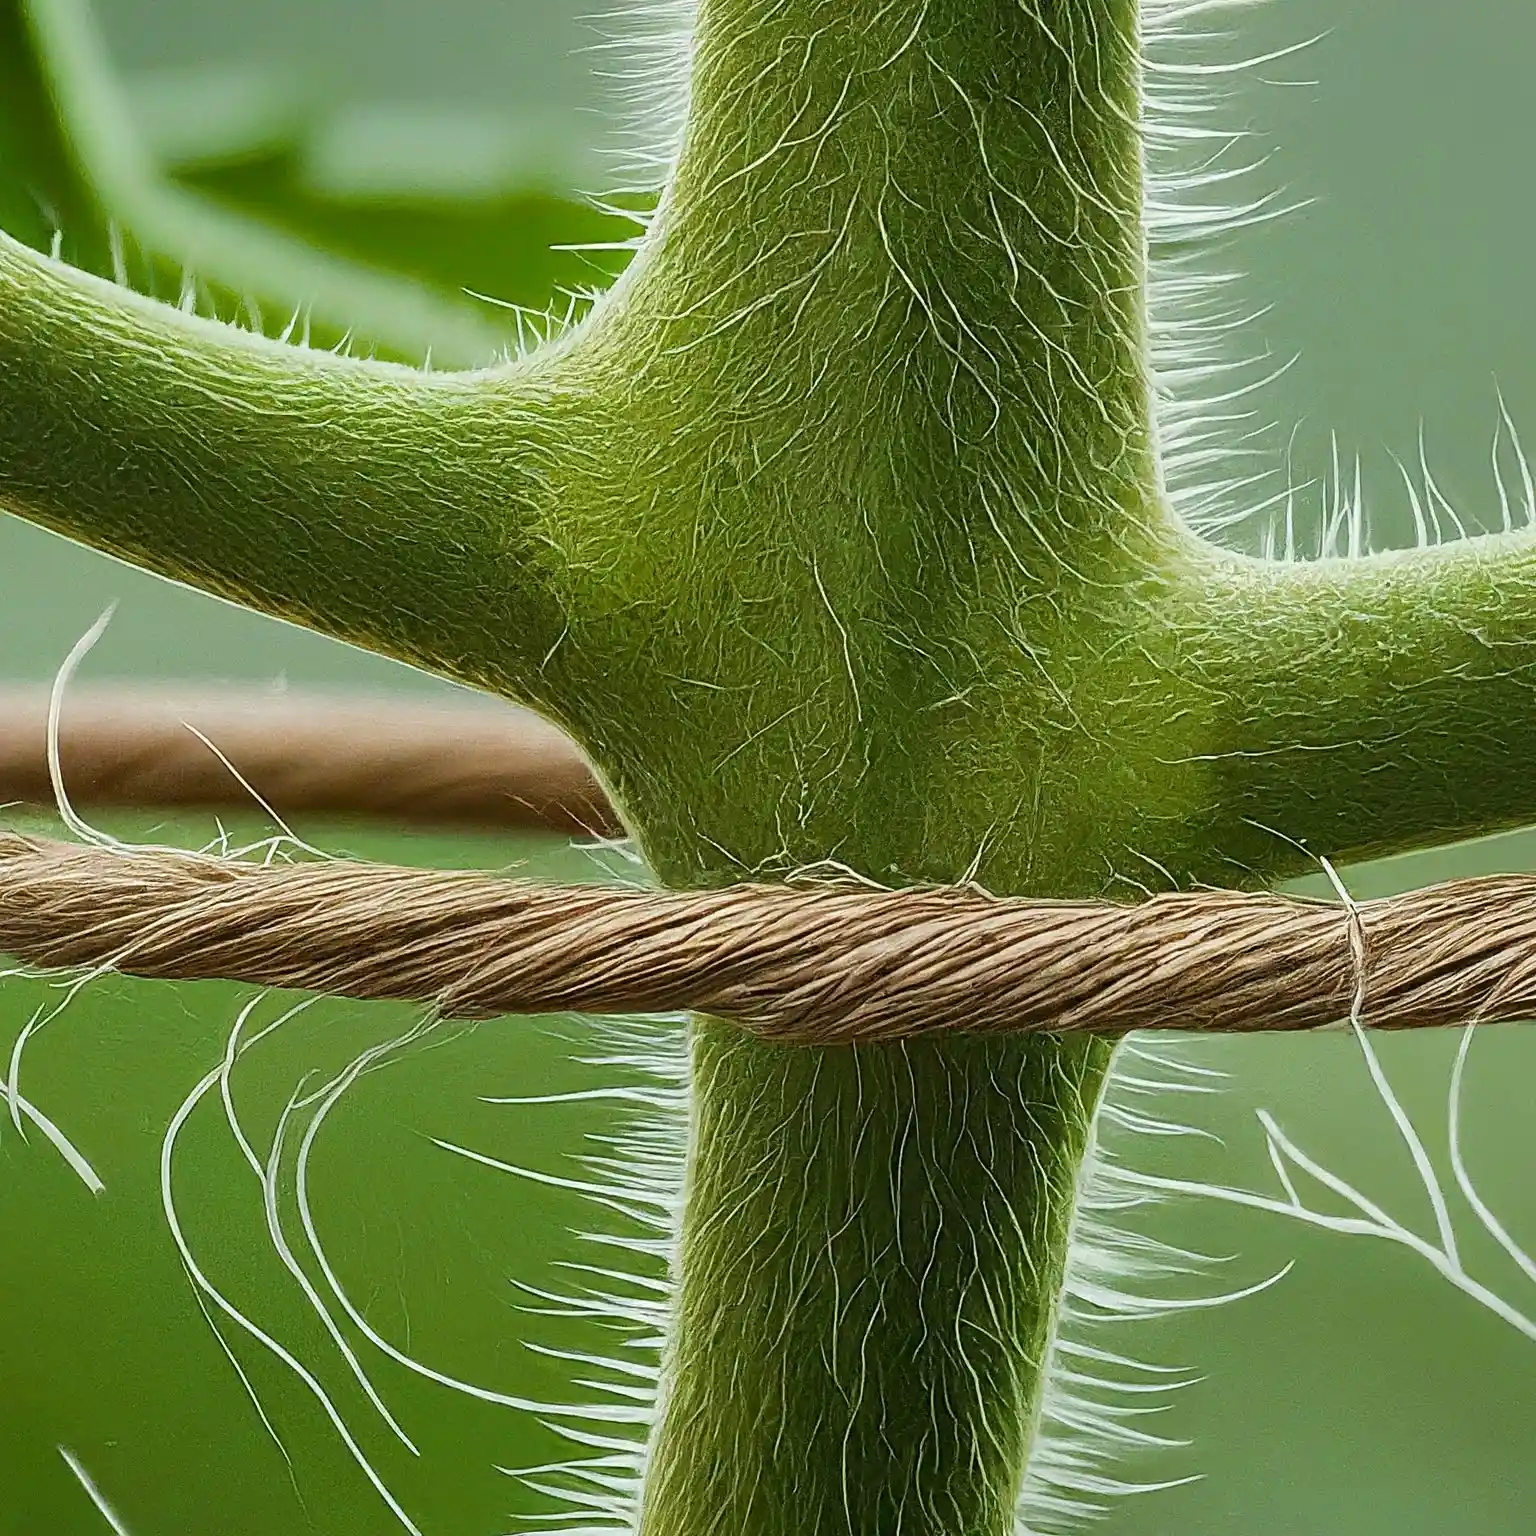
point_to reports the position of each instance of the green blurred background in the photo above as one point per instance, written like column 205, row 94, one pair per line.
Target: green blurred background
column 1359, row 1395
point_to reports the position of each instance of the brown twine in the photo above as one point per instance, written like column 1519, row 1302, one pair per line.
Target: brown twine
column 489, row 766
column 808, row 964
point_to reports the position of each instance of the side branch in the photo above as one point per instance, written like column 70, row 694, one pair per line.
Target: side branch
column 404, row 512
column 1364, row 706
column 811, row 965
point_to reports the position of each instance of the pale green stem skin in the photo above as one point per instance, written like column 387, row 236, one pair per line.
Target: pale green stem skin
column 406, row 512
column 836, row 534
column 1369, row 705
column 873, row 1240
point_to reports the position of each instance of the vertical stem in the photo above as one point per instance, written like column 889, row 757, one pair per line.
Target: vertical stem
column 900, row 265
column 871, row 1261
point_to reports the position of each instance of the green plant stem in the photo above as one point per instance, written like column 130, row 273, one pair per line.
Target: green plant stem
column 871, row 1261
column 1362, row 707
column 350, row 497
column 868, row 556
column 836, row 533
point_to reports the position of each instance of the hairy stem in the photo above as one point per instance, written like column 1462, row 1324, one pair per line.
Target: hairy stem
column 1365, row 706
column 927, row 217
column 873, row 1251
column 405, row 512
column 836, row 533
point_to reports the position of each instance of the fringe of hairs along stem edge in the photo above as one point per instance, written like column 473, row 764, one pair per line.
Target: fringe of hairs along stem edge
column 803, row 963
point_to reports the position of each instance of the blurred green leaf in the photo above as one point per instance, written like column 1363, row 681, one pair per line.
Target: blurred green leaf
column 514, row 245
column 247, row 231
column 460, row 199
column 43, row 189
column 216, row 113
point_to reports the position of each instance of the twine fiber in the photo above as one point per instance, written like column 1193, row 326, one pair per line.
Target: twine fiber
column 480, row 764
column 814, row 964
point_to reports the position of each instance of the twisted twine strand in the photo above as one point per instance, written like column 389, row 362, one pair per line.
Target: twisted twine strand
column 484, row 765
column 806, row 964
